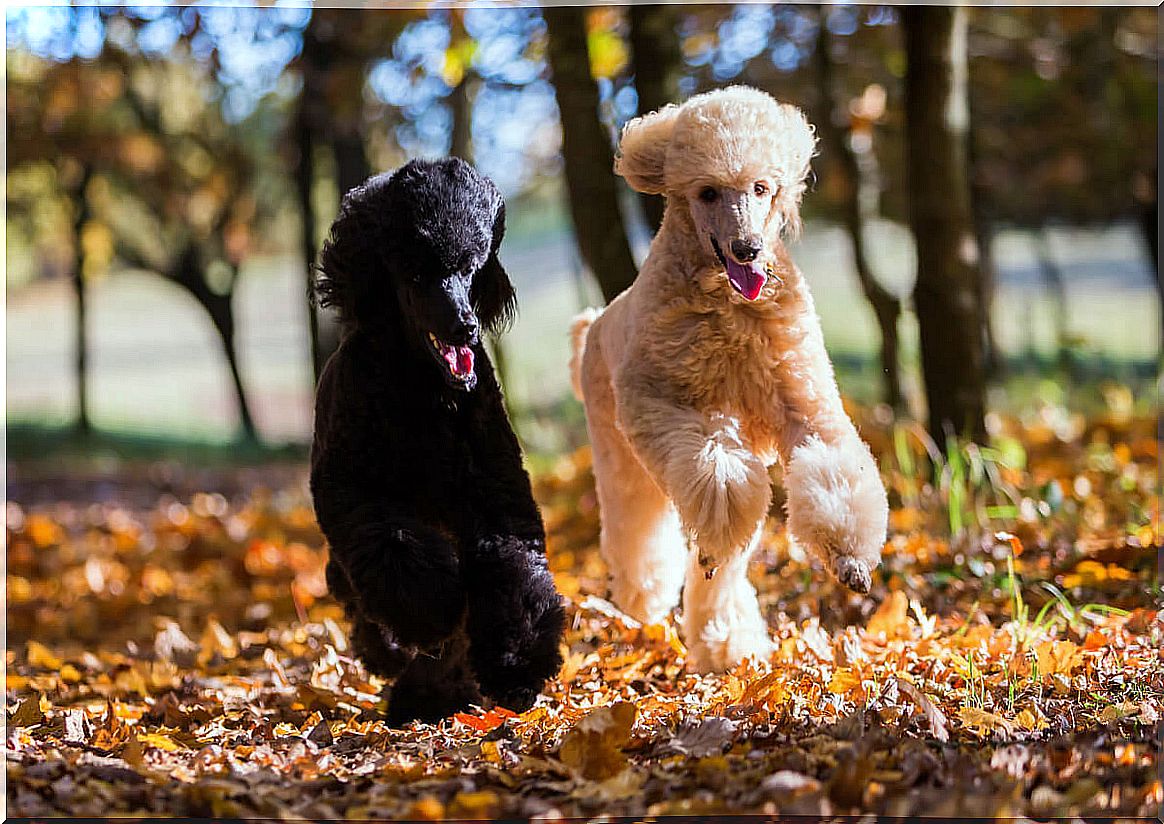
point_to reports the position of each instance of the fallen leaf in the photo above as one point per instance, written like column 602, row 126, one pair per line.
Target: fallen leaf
column 709, row 736
column 171, row 644
column 843, row 680
column 935, row 718
column 982, row 721
column 891, row 620
column 41, row 657
column 28, row 713
column 592, row 748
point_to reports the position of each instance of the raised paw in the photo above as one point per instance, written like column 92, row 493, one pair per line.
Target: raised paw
column 415, row 590
column 721, row 495
column 853, row 573
column 837, row 508
column 515, row 625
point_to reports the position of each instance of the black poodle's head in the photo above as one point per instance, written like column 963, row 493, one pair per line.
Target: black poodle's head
column 415, row 252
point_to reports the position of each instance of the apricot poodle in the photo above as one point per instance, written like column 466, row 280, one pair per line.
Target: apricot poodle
column 709, row 369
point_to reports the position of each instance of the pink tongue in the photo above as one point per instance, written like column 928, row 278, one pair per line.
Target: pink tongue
column 748, row 279
column 464, row 363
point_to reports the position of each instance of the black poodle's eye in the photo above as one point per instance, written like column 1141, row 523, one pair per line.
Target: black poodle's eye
column 760, row 188
column 708, row 194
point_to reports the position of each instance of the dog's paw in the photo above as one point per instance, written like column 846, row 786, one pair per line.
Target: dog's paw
column 719, row 642
column 647, row 606
column 854, row 573
column 518, row 699
column 837, row 508
column 721, row 494
column 430, row 702
column 515, row 623
column 415, row 591
column 379, row 648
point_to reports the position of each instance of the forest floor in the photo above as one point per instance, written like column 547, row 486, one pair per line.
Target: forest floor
column 176, row 654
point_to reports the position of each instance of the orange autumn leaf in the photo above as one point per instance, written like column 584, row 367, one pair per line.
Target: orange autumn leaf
column 891, row 620
column 593, row 748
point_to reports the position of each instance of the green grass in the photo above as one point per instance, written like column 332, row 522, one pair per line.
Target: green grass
column 28, row 443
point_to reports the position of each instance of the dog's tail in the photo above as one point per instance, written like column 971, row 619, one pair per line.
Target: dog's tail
column 579, row 329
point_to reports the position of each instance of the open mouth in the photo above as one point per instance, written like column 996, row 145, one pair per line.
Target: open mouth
column 458, row 359
column 746, row 278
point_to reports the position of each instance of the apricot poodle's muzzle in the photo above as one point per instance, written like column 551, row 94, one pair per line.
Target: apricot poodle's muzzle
column 744, row 271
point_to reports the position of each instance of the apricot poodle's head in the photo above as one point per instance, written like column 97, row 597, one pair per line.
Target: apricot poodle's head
column 737, row 159
column 413, row 256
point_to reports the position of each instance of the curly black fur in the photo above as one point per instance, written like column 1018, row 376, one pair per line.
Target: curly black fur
column 437, row 547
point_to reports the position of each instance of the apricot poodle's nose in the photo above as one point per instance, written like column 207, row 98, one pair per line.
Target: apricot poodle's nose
column 745, row 251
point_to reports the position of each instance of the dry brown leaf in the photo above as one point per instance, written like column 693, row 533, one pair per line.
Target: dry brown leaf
column 935, row 718
column 593, row 747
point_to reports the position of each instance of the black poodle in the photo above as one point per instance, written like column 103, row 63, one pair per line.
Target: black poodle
column 437, row 547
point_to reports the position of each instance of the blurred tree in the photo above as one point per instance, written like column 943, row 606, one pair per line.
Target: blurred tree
column 64, row 116
column 1065, row 121
column 587, row 153
column 847, row 137
column 78, row 195
column 657, row 63
column 143, row 148
column 186, row 207
column 946, row 294
column 338, row 47
column 460, row 77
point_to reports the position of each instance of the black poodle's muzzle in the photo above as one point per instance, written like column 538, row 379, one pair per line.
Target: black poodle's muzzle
column 453, row 332
column 458, row 360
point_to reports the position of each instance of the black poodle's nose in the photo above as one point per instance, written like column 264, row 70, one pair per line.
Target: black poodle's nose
column 466, row 328
column 745, row 251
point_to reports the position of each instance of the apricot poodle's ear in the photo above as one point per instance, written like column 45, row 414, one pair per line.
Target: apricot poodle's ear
column 492, row 293
column 642, row 150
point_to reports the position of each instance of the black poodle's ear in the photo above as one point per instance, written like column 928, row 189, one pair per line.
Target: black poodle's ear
column 492, row 293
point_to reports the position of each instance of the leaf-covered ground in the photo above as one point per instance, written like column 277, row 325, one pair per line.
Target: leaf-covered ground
column 177, row 655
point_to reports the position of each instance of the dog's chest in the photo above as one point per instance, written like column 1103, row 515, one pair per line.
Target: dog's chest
column 732, row 363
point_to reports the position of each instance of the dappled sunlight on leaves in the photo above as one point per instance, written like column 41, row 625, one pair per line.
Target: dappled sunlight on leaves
column 185, row 659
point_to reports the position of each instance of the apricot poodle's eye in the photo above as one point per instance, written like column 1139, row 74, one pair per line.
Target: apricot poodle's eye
column 760, row 188
column 708, row 194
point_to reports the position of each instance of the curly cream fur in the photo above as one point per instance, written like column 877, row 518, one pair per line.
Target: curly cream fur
column 691, row 391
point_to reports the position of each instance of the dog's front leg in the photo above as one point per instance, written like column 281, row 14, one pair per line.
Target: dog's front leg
column 516, row 618
column 515, row 621
column 837, row 506
column 404, row 574
column 719, row 486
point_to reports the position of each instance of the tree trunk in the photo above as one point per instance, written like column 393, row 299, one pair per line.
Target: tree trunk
column 351, row 169
column 995, row 364
column 81, row 342
column 657, row 60
column 854, row 181
column 1149, row 214
column 588, row 156
column 1057, row 287
column 351, row 161
column 947, row 294
column 244, row 411
column 462, row 110
column 220, row 307
column 304, row 182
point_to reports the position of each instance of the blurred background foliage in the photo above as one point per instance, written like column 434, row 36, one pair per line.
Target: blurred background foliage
column 172, row 171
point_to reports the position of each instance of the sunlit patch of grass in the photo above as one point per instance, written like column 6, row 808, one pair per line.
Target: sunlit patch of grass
column 964, row 485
